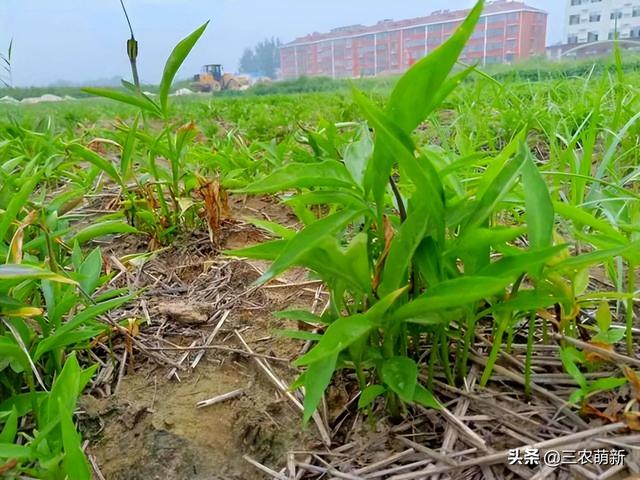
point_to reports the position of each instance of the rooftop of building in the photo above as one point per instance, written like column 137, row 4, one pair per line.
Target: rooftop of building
column 438, row 16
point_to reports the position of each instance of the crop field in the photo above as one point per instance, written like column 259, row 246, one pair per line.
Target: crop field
column 423, row 277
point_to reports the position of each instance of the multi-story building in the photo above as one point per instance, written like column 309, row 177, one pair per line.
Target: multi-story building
column 508, row 31
column 589, row 21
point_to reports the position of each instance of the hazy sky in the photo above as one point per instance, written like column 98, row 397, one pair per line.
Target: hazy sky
column 80, row 40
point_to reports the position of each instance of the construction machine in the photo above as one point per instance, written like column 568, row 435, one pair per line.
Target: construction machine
column 212, row 79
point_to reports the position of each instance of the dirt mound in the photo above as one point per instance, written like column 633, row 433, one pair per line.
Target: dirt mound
column 151, row 426
column 153, row 429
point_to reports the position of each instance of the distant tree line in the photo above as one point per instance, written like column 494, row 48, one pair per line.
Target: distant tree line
column 263, row 59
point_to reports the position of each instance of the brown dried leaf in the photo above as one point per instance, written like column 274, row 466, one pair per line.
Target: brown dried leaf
column 10, row 465
column 632, row 419
column 15, row 248
column 389, row 233
column 589, row 409
column 634, row 381
column 595, row 356
column 187, row 127
column 216, row 206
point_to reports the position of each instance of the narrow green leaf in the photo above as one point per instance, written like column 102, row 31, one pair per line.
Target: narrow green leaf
column 403, row 246
column 583, row 217
column 127, row 151
column 501, row 185
column 10, row 429
column 450, row 294
column 74, row 462
column 316, row 380
column 515, row 265
column 101, row 229
column 604, row 384
column 415, row 95
column 19, row 452
column 328, row 173
column 540, row 213
column 569, row 359
column 28, row 272
column 338, row 336
column 175, row 61
column 603, row 317
column 305, row 240
column 17, row 203
column 595, row 258
column 298, row 335
column 61, row 337
column 273, row 228
column 357, row 154
column 300, row 316
column 139, row 100
column 90, row 156
column 263, row 251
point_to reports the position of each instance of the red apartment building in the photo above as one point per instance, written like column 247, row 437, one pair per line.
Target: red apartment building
column 507, row 32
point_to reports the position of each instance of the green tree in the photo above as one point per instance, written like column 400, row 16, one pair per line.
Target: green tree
column 248, row 61
column 263, row 59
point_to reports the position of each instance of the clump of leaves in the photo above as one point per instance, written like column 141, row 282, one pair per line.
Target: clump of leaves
column 391, row 248
column 154, row 173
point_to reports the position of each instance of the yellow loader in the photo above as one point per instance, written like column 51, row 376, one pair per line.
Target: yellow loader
column 212, row 79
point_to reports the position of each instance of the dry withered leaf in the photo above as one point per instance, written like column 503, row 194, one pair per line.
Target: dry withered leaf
column 389, row 233
column 188, row 127
column 632, row 419
column 589, row 409
column 596, row 356
column 15, row 248
column 216, row 206
column 10, row 465
column 634, row 381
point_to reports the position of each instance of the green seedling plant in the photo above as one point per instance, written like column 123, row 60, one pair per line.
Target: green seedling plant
column 407, row 251
column 52, row 297
column 156, row 175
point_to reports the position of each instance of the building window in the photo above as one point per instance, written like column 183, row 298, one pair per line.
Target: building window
column 512, row 30
column 510, row 44
column 574, row 19
column 615, row 15
column 573, row 39
column 510, row 57
column 594, row 17
column 612, row 35
column 596, row 1
column 576, row 2
column 513, row 17
column 592, row 37
column 634, row 33
column 636, row 12
column 477, row 33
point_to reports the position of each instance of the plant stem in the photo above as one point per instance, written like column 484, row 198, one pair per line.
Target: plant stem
column 396, row 193
column 631, row 287
column 132, row 49
column 527, row 364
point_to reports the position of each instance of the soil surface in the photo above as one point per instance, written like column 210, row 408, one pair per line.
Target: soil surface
column 151, row 428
